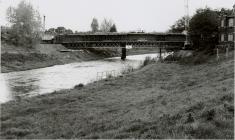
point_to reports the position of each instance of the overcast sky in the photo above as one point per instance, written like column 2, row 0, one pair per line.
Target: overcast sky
column 128, row 15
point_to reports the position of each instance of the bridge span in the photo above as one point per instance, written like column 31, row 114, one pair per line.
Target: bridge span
column 100, row 40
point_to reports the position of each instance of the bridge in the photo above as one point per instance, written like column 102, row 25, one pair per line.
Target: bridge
column 109, row 40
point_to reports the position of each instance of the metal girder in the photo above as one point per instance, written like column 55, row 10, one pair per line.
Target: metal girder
column 110, row 44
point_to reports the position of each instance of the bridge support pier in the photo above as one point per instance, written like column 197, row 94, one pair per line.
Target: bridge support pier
column 123, row 57
column 160, row 53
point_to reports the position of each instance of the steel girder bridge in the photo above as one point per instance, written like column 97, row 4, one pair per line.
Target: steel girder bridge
column 121, row 40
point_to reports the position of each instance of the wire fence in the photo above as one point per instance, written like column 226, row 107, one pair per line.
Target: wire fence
column 106, row 74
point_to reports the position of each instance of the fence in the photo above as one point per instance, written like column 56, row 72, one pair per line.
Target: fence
column 106, row 74
column 222, row 49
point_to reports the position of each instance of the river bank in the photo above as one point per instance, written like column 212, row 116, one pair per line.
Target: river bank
column 160, row 100
column 44, row 55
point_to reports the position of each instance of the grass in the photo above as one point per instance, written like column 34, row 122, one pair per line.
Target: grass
column 127, row 69
column 157, row 101
column 148, row 60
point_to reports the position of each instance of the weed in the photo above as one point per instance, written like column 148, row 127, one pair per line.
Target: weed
column 127, row 69
column 209, row 114
column 148, row 60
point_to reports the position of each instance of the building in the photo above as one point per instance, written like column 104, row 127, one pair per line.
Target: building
column 227, row 30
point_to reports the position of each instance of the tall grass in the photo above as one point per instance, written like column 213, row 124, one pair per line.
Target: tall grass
column 148, row 60
column 127, row 69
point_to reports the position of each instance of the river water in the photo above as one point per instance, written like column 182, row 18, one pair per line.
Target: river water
column 46, row 80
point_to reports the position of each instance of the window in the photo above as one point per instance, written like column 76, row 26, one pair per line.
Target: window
column 230, row 37
column 222, row 37
column 222, row 23
column 230, row 22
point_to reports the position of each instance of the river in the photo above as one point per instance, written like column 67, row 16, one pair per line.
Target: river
column 34, row 82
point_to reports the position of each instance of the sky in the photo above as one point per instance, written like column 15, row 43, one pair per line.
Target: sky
column 128, row 15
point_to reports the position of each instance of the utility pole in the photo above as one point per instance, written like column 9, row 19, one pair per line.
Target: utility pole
column 186, row 24
column 44, row 23
column 234, row 25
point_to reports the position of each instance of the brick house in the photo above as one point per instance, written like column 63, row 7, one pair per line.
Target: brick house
column 227, row 30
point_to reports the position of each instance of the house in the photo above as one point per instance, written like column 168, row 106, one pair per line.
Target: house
column 227, row 30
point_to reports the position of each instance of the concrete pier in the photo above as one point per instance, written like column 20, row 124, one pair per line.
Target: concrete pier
column 123, row 46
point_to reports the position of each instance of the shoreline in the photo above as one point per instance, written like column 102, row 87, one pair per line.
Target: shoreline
column 21, row 60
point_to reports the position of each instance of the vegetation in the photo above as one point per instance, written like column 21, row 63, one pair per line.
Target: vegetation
column 113, row 28
column 179, row 26
column 106, row 25
column 94, row 25
column 203, row 28
column 148, row 60
column 127, row 69
column 59, row 30
column 25, row 23
column 159, row 101
column 79, row 86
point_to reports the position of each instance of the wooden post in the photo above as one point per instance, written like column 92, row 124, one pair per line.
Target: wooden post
column 123, row 57
column 217, row 53
column 226, row 52
column 160, row 53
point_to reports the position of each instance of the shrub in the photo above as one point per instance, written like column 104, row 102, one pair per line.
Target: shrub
column 197, row 58
column 148, row 60
column 79, row 86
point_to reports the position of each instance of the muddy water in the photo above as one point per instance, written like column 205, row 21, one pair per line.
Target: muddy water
column 46, row 80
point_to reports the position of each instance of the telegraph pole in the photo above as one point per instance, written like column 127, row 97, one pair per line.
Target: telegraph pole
column 44, row 23
column 234, row 25
column 186, row 24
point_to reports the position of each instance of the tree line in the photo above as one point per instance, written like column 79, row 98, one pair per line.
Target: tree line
column 106, row 26
column 26, row 28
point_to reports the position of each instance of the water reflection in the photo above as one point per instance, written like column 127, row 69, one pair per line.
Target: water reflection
column 4, row 90
column 46, row 80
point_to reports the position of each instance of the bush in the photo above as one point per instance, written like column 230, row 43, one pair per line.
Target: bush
column 148, row 60
column 79, row 86
column 196, row 58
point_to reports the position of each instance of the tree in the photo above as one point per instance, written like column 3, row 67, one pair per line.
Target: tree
column 26, row 25
column 113, row 28
column 60, row 30
column 203, row 29
column 106, row 25
column 94, row 25
column 179, row 26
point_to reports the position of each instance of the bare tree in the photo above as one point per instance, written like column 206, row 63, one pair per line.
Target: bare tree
column 106, row 25
column 94, row 25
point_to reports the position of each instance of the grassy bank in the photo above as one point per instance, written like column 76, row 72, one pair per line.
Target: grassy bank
column 44, row 55
column 161, row 100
